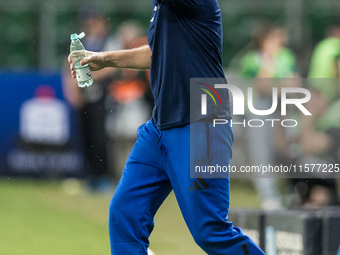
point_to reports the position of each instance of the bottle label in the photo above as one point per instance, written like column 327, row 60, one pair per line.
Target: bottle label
column 83, row 73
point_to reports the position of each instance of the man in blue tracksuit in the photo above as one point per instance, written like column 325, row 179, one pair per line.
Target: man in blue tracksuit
column 185, row 41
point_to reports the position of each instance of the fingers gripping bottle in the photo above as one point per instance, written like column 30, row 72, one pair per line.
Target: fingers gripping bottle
column 83, row 73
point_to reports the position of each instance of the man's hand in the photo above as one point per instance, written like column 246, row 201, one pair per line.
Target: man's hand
column 137, row 58
column 94, row 59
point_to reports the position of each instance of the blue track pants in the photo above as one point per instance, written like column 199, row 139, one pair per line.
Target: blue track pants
column 159, row 163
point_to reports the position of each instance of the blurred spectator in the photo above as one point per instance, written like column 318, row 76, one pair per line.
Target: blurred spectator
column 268, row 59
column 90, row 101
column 320, row 136
column 130, row 100
column 114, row 106
column 325, row 61
column 320, row 140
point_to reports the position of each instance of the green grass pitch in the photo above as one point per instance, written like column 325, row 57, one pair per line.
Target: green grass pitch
column 40, row 218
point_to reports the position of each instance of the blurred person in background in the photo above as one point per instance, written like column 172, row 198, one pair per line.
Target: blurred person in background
column 320, row 136
column 269, row 58
column 130, row 102
column 90, row 102
column 325, row 62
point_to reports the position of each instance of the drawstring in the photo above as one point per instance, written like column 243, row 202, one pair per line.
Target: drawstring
column 159, row 138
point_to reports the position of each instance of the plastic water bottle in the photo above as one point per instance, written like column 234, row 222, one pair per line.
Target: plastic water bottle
column 83, row 73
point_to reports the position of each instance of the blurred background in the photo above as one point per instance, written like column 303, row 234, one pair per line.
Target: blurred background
column 63, row 148
column 35, row 34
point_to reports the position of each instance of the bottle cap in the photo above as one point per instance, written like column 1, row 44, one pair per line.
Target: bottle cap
column 75, row 36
